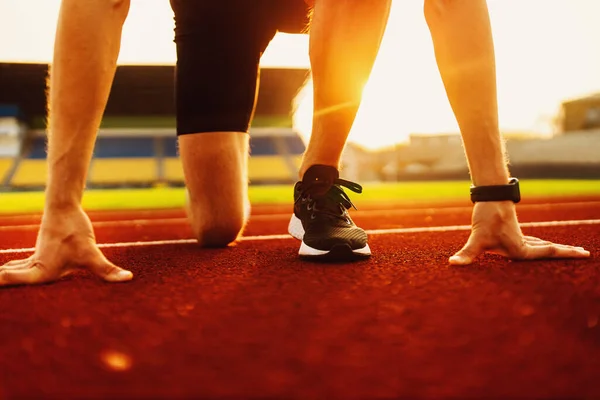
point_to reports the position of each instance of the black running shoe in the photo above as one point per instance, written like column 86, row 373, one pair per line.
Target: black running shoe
column 321, row 218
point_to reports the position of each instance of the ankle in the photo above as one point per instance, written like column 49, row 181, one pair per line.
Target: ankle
column 316, row 165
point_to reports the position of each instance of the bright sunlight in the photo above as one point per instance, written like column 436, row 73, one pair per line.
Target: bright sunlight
column 546, row 52
column 540, row 62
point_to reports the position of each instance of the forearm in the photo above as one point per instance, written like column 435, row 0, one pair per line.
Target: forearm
column 464, row 50
column 86, row 49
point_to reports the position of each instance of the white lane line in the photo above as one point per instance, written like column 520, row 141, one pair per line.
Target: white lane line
column 424, row 229
column 270, row 217
column 454, row 228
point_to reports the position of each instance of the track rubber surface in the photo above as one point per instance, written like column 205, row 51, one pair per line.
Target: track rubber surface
column 255, row 321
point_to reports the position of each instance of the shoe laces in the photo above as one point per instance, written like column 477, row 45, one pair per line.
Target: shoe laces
column 334, row 203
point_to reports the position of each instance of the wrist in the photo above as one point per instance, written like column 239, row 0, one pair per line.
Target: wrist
column 62, row 199
column 497, row 193
column 61, row 206
column 492, row 213
column 500, row 210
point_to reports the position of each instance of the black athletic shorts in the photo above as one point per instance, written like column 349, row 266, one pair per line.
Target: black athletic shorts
column 219, row 45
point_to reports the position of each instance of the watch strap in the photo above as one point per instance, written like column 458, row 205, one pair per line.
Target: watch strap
column 509, row 192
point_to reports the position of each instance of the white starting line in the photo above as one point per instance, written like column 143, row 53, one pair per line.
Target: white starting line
column 451, row 228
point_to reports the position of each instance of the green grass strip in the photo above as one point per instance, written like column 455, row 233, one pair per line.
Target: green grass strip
column 165, row 197
column 160, row 122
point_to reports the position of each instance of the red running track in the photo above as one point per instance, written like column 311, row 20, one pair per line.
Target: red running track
column 254, row 321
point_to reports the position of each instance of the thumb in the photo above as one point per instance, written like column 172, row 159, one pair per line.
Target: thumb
column 109, row 271
column 467, row 254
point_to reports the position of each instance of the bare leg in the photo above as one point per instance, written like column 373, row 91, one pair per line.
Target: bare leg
column 345, row 36
column 215, row 166
column 217, row 77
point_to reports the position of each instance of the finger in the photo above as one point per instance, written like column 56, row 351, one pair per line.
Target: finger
column 18, row 262
column 566, row 246
column 540, row 242
column 109, row 271
column 13, row 267
column 533, row 239
column 22, row 276
column 467, row 254
column 555, row 251
column 537, row 242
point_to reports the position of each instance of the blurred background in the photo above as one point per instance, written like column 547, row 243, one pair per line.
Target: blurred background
column 548, row 83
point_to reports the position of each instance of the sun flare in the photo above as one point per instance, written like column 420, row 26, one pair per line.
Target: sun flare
column 540, row 61
column 405, row 93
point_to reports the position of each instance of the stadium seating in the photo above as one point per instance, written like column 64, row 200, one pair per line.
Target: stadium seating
column 121, row 160
column 11, row 133
column 124, row 161
column 5, row 165
column 274, row 157
column 32, row 167
column 172, row 170
column 136, row 143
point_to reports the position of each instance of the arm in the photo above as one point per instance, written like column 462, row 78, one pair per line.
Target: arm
column 87, row 45
column 464, row 51
column 88, row 39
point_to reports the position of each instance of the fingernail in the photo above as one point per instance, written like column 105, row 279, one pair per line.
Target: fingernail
column 124, row 275
column 456, row 260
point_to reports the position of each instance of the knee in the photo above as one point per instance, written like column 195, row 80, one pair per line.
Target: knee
column 219, row 232
column 217, row 225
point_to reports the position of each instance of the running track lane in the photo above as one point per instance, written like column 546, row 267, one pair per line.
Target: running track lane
column 21, row 231
column 253, row 321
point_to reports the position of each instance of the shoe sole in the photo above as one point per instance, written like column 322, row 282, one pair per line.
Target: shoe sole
column 341, row 252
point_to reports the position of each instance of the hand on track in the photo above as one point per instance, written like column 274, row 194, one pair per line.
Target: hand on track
column 495, row 229
column 65, row 243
